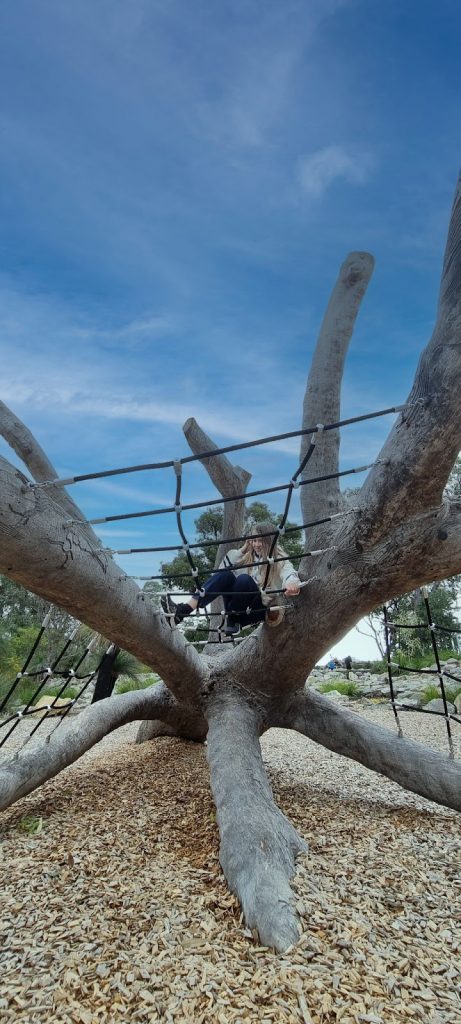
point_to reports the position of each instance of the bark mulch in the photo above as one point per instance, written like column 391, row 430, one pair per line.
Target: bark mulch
column 115, row 909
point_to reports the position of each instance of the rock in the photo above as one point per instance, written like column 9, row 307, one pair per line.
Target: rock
column 411, row 698
column 458, row 703
column 58, row 707
column 335, row 695
column 437, row 705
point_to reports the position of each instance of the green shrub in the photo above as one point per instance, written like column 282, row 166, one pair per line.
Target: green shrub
column 25, row 689
column 345, row 686
column 125, row 685
column 375, row 667
column 433, row 692
column 423, row 660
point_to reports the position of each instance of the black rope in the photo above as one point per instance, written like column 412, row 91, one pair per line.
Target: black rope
column 28, row 660
column 389, row 671
column 429, row 711
column 422, row 625
column 439, row 668
column 185, row 546
column 81, row 691
column 219, row 501
column 438, row 671
column 231, row 540
column 71, row 674
column 47, row 674
column 245, row 565
column 219, row 451
column 281, row 527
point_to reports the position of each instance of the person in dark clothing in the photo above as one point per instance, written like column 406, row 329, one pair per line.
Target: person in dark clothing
column 242, row 581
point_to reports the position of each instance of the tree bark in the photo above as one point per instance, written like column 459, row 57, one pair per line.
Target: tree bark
column 40, row 550
column 417, row 458
column 259, row 846
column 228, row 480
column 323, row 391
column 23, row 442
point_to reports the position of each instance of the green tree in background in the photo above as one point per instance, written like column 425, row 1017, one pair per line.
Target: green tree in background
column 407, row 644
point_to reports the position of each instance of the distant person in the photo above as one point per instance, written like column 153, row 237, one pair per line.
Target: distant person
column 348, row 665
column 241, row 582
column 331, row 664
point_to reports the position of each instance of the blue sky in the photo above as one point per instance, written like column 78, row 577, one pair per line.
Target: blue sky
column 179, row 184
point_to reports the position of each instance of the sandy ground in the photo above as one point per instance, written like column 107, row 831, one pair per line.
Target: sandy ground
column 116, row 910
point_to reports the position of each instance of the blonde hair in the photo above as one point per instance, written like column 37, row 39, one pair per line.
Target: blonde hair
column 267, row 531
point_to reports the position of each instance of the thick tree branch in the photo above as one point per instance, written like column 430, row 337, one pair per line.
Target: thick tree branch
column 227, row 479
column 322, row 397
column 25, row 771
column 23, row 442
column 259, row 846
column 40, row 550
column 410, row 764
column 422, row 447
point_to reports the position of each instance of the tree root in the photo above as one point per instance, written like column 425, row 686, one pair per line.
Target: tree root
column 259, row 846
column 26, row 770
column 410, row 764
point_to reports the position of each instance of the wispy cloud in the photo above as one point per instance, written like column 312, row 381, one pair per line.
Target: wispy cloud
column 317, row 171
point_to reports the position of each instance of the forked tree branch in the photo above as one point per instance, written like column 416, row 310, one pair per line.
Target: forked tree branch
column 323, row 391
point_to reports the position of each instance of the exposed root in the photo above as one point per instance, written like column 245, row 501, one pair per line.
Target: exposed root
column 259, row 846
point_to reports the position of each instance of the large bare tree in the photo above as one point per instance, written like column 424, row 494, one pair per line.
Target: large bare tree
column 401, row 533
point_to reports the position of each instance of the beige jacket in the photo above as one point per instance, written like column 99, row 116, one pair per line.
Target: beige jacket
column 282, row 572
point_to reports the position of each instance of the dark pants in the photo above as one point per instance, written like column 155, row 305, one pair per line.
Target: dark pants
column 241, row 596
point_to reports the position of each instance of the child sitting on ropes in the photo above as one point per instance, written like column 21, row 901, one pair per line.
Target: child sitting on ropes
column 243, row 579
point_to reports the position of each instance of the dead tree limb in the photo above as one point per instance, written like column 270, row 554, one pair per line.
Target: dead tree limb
column 228, row 480
column 23, row 442
column 323, row 391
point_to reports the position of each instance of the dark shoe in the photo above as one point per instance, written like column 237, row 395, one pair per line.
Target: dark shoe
column 181, row 612
column 174, row 612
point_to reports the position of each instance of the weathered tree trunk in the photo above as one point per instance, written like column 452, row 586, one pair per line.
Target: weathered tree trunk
column 400, row 534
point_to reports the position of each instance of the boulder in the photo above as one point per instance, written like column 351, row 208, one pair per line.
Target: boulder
column 411, row 698
column 437, row 705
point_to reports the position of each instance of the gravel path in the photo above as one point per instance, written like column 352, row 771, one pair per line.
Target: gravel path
column 116, row 909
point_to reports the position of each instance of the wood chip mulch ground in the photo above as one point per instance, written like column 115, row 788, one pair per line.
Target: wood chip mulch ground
column 114, row 908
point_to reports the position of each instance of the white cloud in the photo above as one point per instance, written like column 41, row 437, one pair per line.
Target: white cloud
column 318, row 170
